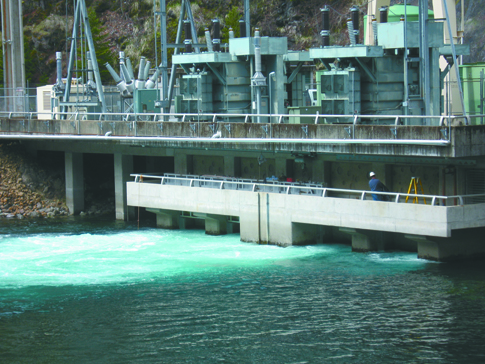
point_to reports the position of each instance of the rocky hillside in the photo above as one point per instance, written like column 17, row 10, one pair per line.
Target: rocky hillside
column 128, row 25
column 26, row 189
column 31, row 189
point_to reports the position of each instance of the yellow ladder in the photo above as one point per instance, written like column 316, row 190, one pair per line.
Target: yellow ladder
column 413, row 185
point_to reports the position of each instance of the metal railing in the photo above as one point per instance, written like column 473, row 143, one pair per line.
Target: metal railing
column 292, row 188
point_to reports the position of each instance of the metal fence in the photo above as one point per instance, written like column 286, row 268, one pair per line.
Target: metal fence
column 291, row 188
column 18, row 100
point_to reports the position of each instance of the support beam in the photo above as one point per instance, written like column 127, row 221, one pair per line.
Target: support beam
column 166, row 219
column 13, row 54
column 366, row 240
column 123, row 167
column 215, row 224
column 74, row 182
column 304, row 234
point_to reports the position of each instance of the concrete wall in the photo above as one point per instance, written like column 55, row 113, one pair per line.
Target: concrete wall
column 285, row 209
column 466, row 141
column 440, row 233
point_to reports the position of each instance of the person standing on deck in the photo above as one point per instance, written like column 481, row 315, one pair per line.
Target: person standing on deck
column 376, row 185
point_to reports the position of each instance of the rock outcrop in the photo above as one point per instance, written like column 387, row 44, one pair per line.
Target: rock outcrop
column 26, row 190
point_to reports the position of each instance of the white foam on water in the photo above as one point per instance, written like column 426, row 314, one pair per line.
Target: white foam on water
column 48, row 259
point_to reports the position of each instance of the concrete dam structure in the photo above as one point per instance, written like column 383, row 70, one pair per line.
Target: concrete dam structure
column 249, row 136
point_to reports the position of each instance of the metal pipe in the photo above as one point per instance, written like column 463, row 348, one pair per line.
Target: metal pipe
column 141, row 69
column 242, row 29
column 90, row 68
column 208, row 40
column 152, row 80
column 147, row 70
column 271, row 79
column 350, row 26
column 453, row 51
column 325, row 33
column 59, row 67
column 113, row 73
column 354, row 11
column 436, row 143
column 188, row 36
column 247, row 17
column 128, row 80
column 374, row 30
column 217, row 35
column 383, row 14
column 406, row 86
column 140, row 82
column 258, row 79
column 129, row 67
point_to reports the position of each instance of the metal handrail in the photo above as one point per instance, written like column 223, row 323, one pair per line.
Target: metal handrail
column 310, row 188
column 220, row 116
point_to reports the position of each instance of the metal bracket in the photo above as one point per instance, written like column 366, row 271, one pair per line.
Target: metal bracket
column 228, row 127
column 22, row 122
column 394, row 132
column 265, row 128
column 213, row 127
column 348, row 130
column 113, row 125
column 73, row 124
column 47, row 124
column 444, row 132
column 192, row 126
column 100, row 125
column 130, row 125
column 305, row 129
column 160, row 126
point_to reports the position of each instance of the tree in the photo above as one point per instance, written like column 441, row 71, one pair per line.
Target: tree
column 101, row 45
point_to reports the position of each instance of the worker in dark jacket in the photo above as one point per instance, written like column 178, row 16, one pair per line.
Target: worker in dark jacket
column 376, row 185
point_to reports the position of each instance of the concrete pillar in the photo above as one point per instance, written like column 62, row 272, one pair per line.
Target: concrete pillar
column 322, row 172
column 166, row 219
column 280, row 167
column 152, row 165
column 464, row 244
column 123, row 167
column 74, row 182
column 186, row 223
column 215, row 225
column 303, row 234
column 366, row 241
column 229, row 166
column 183, row 163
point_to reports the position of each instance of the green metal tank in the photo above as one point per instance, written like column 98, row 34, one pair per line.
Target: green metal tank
column 396, row 11
column 473, row 89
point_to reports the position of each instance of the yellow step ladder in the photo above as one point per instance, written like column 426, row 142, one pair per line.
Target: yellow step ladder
column 413, row 185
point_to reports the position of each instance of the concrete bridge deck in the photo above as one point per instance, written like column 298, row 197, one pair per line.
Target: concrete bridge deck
column 273, row 213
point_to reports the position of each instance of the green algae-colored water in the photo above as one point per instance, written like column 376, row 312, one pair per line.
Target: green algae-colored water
column 87, row 291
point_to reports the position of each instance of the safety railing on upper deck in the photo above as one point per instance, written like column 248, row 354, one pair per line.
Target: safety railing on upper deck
column 127, row 125
column 296, row 188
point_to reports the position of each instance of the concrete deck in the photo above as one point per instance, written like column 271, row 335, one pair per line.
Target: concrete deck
column 285, row 219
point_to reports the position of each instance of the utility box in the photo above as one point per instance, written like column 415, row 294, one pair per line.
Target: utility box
column 338, row 93
column 473, row 80
column 144, row 100
column 195, row 94
column 45, row 102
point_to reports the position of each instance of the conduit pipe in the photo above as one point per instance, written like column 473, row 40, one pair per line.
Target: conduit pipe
column 152, row 81
column 436, row 143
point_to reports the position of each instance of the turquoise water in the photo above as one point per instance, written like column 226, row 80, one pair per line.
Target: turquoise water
column 86, row 291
